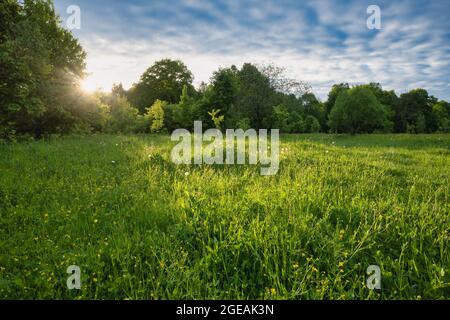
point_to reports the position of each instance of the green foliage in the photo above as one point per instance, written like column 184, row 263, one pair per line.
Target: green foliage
column 311, row 124
column 123, row 116
column 336, row 90
column 441, row 112
column 357, row 110
column 41, row 64
column 156, row 113
column 243, row 124
column 216, row 119
column 164, row 81
column 414, row 112
column 281, row 119
column 255, row 96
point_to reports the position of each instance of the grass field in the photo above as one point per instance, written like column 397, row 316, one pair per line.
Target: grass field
column 140, row 227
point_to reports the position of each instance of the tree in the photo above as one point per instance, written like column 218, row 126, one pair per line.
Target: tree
column 225, row 85
column 164, row 80
column 156, row 113
column 281, row 82
column 441, row 112
column 41, row 66
column 357, row 110
column 414, row 112
column 311, row 124
column 118, row 90
column 312, row 106
column 124, row 117
column 256, row 96
column 216, row 119
column 333, row 95
column 281, row 119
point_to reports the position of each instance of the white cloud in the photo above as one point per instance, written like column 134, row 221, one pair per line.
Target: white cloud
column 411, row 50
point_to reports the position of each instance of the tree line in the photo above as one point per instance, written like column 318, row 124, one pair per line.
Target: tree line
column 42, row 64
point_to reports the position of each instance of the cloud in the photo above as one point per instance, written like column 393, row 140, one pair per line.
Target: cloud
column 322, row 42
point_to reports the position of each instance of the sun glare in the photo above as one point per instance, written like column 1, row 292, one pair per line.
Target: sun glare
column 89, row 85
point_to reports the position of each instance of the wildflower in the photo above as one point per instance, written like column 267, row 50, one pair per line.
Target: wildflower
column 186, row 173
column 341, row 234
column 314, row 269
column 273, row 291
column 295, row 265
column 95, row 221
column 113, row 162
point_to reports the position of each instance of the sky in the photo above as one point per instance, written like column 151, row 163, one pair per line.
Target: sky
column 321, row 42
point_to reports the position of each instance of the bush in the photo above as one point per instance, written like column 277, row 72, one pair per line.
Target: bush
column 124, row 117
column 156, row 113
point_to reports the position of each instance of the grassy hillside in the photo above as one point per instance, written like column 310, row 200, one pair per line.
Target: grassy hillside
column 140, row 227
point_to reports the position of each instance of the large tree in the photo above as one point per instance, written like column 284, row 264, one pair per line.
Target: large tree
column 164, row 80
column 357, row 110
column 333, row 95
column 414, row 112
column 441, row 112
column 41, row 65
column 256, row 96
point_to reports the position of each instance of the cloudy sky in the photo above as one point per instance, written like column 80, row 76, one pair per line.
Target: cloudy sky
column 322, row 42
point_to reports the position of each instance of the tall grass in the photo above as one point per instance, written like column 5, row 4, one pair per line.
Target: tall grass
column 141, row 227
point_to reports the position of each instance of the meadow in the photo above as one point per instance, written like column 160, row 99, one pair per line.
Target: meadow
column 140, row 227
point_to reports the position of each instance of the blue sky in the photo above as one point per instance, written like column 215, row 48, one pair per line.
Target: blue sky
column 322, row 42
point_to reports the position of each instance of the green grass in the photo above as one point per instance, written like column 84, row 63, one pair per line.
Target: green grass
column 143, row 228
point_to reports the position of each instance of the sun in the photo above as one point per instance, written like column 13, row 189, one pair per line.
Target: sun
column 89, row 85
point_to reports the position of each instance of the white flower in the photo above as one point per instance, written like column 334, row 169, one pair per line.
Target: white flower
column 113, row 162
column 186, row 173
